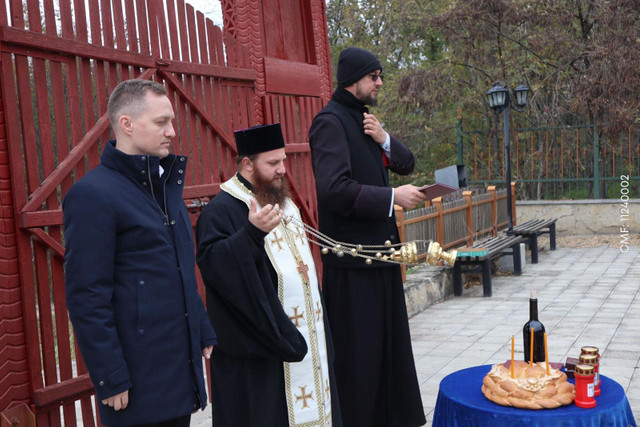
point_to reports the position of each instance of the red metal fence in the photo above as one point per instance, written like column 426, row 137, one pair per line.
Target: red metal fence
column 554, row 162
column 59, row 60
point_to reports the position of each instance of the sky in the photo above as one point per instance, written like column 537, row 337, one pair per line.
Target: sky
column 210, row 8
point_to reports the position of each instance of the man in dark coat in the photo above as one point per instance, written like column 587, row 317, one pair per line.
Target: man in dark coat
column 130, row 270
column 351, row 153
column 272, row 366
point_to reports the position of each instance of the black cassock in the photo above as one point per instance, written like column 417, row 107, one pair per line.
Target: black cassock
column 374, row 365
column 255, row 335
column 374, row 360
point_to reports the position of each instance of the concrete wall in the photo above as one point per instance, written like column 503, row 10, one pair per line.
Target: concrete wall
column 425, row 286
column 583, row 216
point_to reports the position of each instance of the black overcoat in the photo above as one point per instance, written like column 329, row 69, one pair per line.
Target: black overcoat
column 375, row 371
column 352, row 180
column 131, row 288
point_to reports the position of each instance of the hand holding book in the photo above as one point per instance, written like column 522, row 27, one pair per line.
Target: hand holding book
column 433, row 191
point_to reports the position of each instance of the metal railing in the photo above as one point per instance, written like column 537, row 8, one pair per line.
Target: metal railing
column 553, row 162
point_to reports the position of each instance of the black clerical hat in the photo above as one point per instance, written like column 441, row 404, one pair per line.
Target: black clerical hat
column 354, row 63
column 258, row 139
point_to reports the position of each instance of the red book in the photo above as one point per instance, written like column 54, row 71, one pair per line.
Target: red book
column 436, row 190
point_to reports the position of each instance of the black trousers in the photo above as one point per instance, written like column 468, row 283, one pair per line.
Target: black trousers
column 183, row 421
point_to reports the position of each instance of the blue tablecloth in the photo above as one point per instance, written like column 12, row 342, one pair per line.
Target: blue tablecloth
column 461, row 404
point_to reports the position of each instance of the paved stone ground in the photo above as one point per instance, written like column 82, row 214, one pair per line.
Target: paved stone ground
column 588, row 295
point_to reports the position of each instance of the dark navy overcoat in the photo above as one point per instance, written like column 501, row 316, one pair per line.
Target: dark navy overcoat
column 131, row 287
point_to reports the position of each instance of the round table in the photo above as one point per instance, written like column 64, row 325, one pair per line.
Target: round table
column 461, row 404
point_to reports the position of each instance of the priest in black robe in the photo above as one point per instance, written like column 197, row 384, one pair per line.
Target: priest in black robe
column 272, row 364
column 351, row 154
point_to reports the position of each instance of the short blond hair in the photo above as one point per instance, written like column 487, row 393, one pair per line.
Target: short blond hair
column 128, row 97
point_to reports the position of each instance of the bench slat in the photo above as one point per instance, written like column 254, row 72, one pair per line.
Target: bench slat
column 495, row 246
column 533, row 226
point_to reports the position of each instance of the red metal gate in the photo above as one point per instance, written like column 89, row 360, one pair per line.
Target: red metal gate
column 59, row 60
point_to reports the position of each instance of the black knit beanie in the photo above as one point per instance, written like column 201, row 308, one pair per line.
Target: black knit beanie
column 354, row 63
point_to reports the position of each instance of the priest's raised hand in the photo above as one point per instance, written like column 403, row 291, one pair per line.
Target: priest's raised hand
column 267, row 218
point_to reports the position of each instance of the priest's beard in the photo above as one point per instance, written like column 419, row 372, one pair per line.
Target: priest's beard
column 269, row 192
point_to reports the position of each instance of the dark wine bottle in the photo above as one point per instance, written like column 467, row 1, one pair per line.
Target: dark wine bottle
column 538, row 333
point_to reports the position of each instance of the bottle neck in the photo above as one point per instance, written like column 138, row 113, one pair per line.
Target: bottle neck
column 533, row 309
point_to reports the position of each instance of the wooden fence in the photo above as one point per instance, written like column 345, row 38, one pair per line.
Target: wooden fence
column 59, row 60
column 459, row 220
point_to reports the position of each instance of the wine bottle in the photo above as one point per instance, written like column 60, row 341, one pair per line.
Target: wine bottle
column 538, row 333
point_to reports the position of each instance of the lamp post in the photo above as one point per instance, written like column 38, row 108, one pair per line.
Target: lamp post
column 499, row 101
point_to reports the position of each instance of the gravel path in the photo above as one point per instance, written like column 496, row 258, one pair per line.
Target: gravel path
column 591, row 241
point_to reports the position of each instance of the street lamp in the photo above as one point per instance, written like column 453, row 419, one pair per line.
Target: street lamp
column 499, row 101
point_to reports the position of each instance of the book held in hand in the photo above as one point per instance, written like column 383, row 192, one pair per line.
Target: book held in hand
column 437, row 190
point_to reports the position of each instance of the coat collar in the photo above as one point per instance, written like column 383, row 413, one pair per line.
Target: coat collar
column 244, row 181
column 139, row 166
column 346, row 98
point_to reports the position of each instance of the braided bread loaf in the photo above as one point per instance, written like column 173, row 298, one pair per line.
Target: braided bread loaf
column 530, row 388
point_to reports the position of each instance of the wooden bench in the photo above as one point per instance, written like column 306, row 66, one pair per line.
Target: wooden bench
column 532, row 229
column 495, row 248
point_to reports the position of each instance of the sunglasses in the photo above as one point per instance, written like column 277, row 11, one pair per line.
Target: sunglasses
column 375, row 77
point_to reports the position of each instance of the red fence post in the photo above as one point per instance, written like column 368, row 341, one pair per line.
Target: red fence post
column 13, row 354
column 513, row 202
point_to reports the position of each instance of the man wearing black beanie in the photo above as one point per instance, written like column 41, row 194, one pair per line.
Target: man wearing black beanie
column 355, row 62
column 351, row 154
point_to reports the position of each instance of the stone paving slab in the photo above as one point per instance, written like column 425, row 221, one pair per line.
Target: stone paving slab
column 586, row 296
